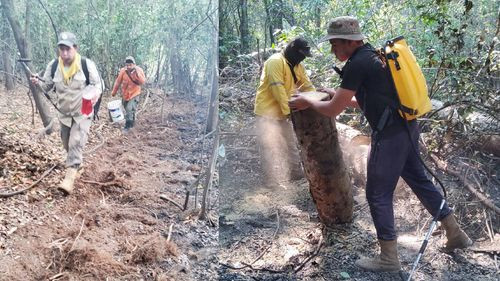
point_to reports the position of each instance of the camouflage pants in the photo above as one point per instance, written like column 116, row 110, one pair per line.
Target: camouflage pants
column 74, row 139
column 130, row 107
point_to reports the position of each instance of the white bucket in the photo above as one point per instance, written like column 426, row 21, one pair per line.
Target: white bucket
column 115, row 110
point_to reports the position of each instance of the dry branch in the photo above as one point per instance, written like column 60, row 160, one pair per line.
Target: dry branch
column 249, row 265
column 469, row 185
column 164, row 197
column 111, row 183
column 314, row 254
column 6, row 195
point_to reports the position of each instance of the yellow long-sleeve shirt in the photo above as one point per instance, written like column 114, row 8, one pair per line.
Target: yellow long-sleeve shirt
column 277, row 86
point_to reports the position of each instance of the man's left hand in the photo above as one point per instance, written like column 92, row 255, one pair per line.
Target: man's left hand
column 298, row 103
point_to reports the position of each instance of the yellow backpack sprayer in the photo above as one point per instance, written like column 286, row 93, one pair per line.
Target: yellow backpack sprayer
column 413, row 101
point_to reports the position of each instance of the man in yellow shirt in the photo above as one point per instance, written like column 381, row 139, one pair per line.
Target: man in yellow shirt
column 283, row 75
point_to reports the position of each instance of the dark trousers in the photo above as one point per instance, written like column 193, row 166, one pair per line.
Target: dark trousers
column 392, row 156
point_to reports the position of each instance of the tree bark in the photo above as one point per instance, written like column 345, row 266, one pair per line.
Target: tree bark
column 244, row 30
column 7, row 65
column 24, row 50
column 274, row 17
column 9, row 82
column 324, row 166
column 213, row 110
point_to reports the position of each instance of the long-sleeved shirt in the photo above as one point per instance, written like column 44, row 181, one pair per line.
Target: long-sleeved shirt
column 69, row 97
column 277, row 86
column 129, row 88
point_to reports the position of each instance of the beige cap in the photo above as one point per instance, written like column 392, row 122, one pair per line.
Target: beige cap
column 67, row 39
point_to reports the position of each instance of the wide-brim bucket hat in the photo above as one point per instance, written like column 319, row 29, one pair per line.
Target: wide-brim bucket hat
column 346, row 27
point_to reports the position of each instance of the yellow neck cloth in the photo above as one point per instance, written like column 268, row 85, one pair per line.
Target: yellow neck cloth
column 72, row 70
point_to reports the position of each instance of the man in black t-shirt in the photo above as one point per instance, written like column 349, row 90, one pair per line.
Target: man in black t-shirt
column 366, row 85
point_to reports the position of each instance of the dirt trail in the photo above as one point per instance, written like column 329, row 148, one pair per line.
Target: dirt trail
column 114, row 226
column 273, row 233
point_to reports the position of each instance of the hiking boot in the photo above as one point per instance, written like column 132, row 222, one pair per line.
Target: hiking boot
column 386, row 261
column 456, row 238
column 69, row 180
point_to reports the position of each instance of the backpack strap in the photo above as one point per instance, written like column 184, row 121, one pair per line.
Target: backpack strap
column 53, row 68
column 129, row 76
column 85, row 69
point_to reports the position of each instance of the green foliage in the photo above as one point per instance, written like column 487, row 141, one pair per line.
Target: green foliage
column 152, row 31
column 453, row 41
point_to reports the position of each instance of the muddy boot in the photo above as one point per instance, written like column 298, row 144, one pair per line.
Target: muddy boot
column 127, row 127
column 69, row 180
column 387, row 261
column 456, row 238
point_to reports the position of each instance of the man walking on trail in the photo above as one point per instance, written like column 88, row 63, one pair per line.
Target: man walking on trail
column 131, row 77
column 282, row 76
column 78, row 86
column 364, row 78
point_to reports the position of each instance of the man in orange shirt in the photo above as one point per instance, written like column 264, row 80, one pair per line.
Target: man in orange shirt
column 131, row 77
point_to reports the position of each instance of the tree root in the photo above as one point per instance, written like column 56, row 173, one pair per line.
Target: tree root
column 6, row 195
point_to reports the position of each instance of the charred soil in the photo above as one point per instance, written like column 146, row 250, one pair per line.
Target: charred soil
column 114, row 226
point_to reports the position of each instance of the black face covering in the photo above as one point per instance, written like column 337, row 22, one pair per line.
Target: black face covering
column 293, row 55
column 295, row 52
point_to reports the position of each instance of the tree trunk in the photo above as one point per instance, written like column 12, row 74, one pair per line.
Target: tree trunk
column 23, row 46
column 324, row 166
column 274, row 17
column 244, row 31
column 317, row 16
column 213, row 110
column 7, row 65
column 225, row 32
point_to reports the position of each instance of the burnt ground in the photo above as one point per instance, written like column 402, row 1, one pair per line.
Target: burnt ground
column 273, row 233
column 115, row 226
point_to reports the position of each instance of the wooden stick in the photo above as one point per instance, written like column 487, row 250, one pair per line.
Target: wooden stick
column 101, row 138
column 320, row 244
column 6, row 195
column 170, row 232
column 245, row 265
column 76, row 238
column 111, row 183
column 57, row 276
column 272, row 238
column 164, row 197
column 186, row 201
